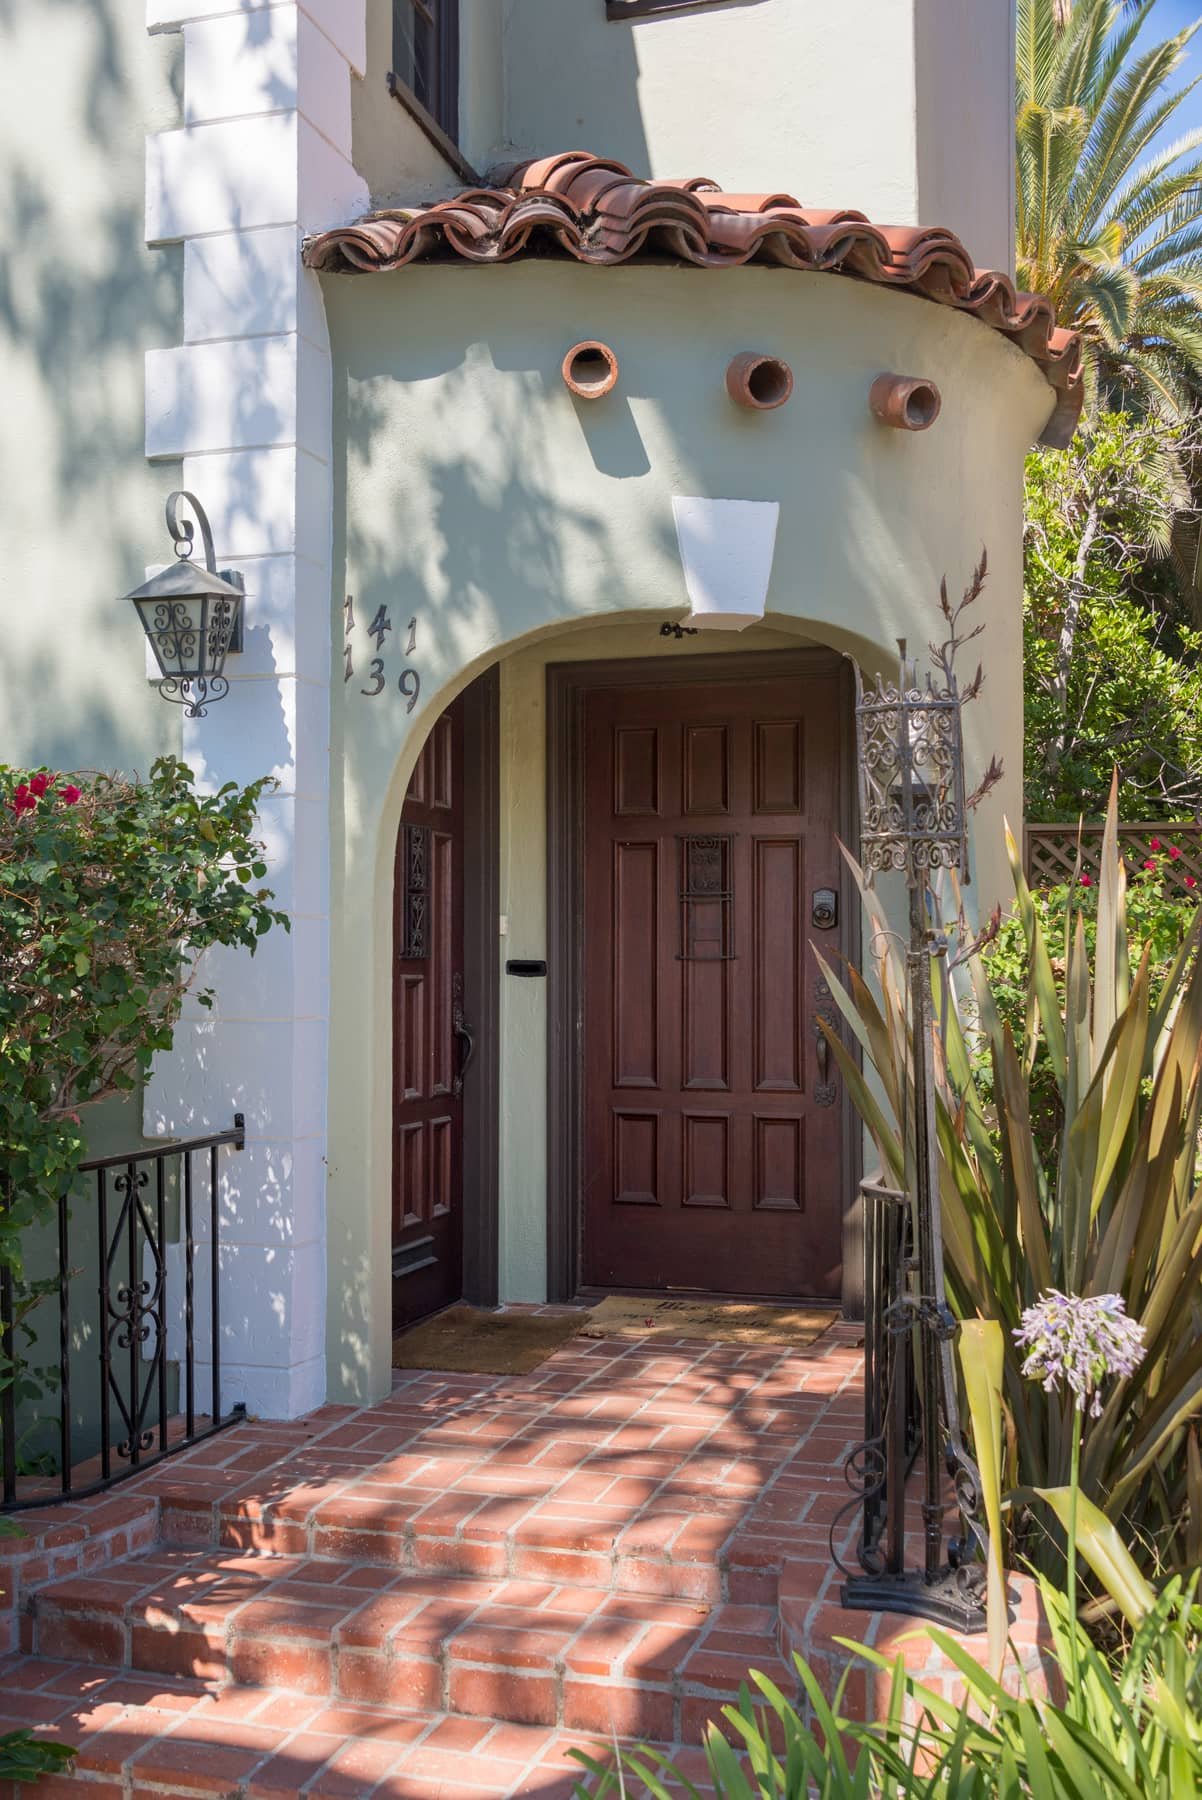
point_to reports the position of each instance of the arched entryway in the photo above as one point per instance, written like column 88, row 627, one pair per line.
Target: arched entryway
column 502, row 774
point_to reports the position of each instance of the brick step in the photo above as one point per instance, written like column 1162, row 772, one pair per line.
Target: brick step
column 673, row 1544
column 676, row 1549
column 524, row 1652
column 178, row 1739
column 73, row 1538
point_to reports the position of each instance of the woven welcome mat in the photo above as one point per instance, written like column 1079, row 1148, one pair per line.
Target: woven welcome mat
column 714, row 1321
column 473, row 1342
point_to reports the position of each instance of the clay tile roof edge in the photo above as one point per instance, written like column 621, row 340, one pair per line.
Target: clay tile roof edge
column 596, row 211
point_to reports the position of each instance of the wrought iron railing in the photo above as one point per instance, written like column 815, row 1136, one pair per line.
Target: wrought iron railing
column 132, row 1344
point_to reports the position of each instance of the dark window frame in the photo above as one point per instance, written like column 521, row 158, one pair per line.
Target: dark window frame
column 434, row 26
column 641, row 9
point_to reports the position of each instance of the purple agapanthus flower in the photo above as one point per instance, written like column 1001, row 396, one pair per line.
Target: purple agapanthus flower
column 1079, row 1341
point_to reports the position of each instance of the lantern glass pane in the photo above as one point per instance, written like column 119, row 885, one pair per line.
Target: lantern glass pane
column 910, row 755
column 219, row 631
column 172, row 628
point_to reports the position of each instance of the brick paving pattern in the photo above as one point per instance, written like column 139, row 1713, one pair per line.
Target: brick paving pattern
column 440, row 1594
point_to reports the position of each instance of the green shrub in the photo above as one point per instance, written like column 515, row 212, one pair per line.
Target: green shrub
column 1099, row 1193
column 110, row 889
column 1159, row 916
column 24, row 1757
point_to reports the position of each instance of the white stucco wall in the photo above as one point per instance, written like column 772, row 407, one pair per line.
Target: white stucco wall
column 260, row 154
column 964, row 103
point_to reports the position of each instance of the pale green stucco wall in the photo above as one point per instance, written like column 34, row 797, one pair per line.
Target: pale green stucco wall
column 476, row 494
column 81, row 300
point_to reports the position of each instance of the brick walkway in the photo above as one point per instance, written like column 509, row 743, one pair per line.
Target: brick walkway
column 440, row 1594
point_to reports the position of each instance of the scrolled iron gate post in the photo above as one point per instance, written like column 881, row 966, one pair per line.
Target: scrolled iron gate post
column 913, row 823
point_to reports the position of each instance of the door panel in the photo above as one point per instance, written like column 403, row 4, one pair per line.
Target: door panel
column 711, row 1153
column 427, row 1172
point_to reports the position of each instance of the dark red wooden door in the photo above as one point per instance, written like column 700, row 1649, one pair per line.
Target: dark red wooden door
column 712, row 1141
column 428, row 1032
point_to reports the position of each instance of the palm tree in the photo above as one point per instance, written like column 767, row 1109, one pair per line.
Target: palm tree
column 1109, row 226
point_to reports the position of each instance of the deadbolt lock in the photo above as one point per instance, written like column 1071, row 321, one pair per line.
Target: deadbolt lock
column 824, row 909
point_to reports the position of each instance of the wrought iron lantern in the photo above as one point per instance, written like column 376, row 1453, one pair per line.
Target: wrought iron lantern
column 913, row 822
column 192, row 616
column 911, row 764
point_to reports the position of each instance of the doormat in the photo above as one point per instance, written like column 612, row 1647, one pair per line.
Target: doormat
column 715, row 1321
column 469, row 1341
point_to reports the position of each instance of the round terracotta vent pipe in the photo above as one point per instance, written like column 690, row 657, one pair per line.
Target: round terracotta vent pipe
column 906, row 402
column 758, row 381
column 590, row 369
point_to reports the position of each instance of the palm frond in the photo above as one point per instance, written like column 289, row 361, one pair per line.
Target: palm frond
column 1129, row 117
column 1108, row 218
column 1110, row 294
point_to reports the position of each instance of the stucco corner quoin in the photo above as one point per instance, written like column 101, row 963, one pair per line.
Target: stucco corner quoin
column 261, row 156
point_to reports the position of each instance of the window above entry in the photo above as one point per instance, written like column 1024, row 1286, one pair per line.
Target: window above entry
column 425, row 65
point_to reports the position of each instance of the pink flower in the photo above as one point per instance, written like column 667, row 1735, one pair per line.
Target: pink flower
column 70, row 796
column 1087, row 881
column 1174, row 851
column 38, row 784
column 1149, row 864
column 1153, row 844
column 1190, row 882
column 23, row 800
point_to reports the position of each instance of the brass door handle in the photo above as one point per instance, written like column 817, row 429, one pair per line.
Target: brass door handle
column 825, row 1089
column 467, row 1042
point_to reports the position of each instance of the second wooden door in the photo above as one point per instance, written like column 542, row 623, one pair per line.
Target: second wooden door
column 431, row 1038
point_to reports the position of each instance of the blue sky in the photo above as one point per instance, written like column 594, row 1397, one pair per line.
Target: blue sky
column 1168, row 17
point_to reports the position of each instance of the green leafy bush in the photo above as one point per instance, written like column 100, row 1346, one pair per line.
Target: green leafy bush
column 110, row 889
column 1159, row 917
column 24, row 1757
column 1111, row 671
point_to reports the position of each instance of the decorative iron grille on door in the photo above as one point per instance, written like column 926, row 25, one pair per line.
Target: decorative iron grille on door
column 415, row 935
column 707, row 899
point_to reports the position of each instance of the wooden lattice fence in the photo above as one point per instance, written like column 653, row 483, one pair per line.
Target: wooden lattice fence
column 1054, row 853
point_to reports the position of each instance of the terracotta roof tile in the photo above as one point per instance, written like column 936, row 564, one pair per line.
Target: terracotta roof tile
column 596, row 211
